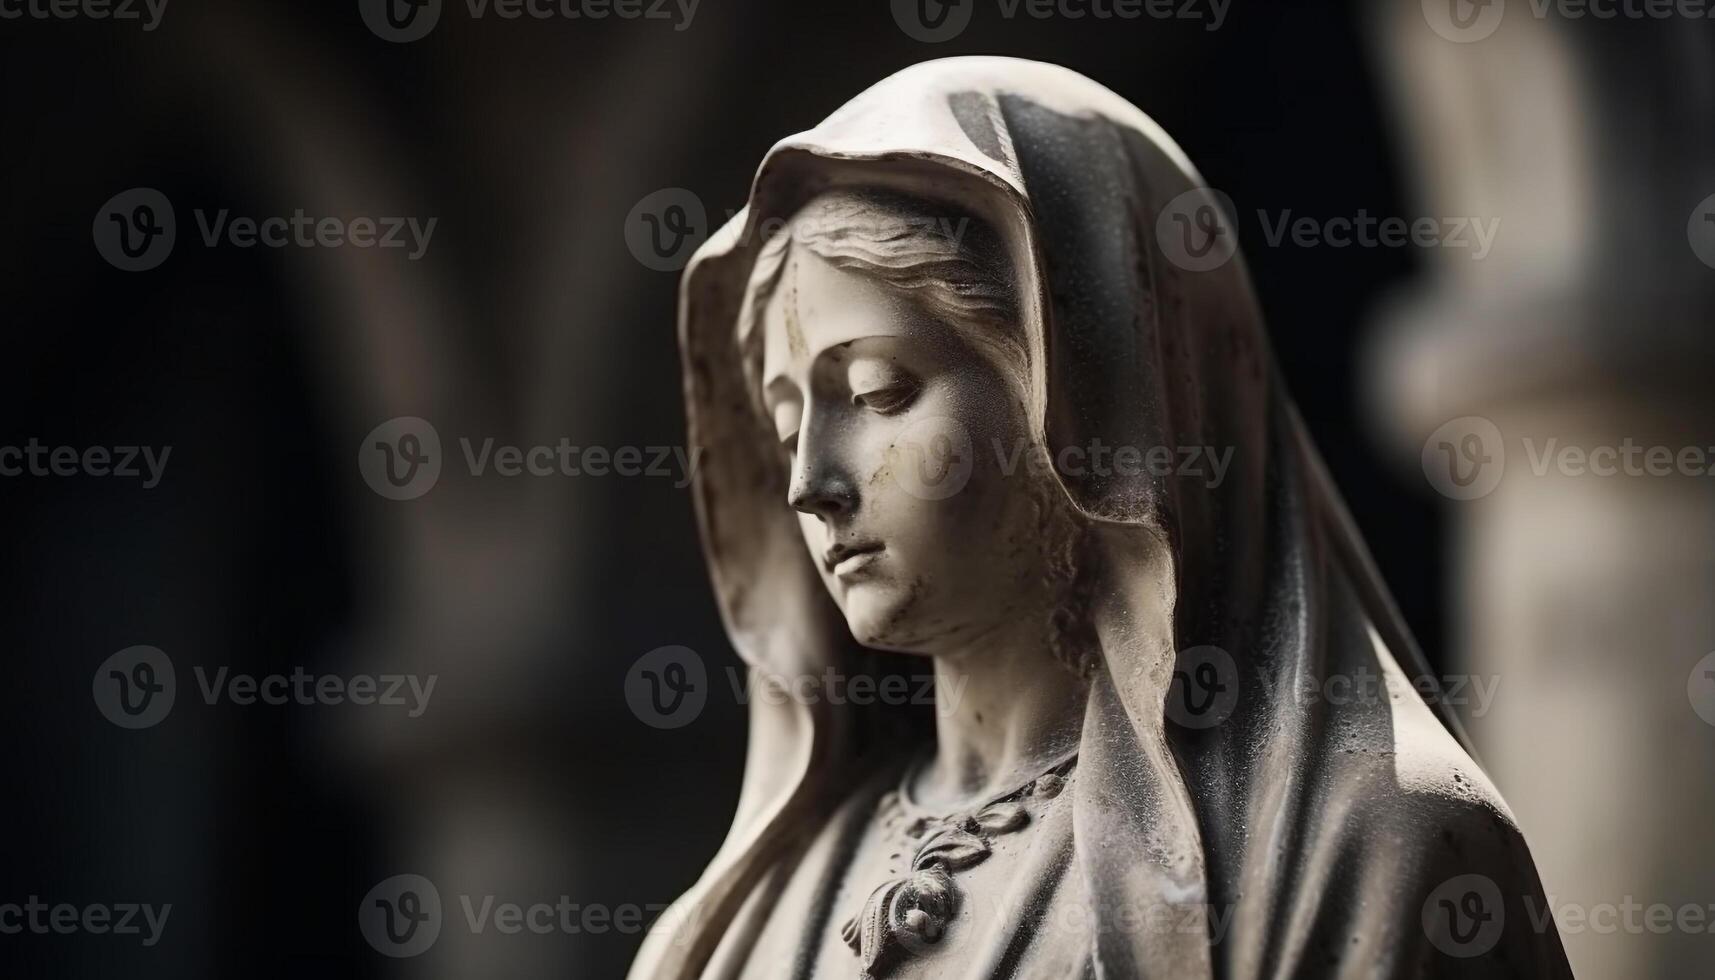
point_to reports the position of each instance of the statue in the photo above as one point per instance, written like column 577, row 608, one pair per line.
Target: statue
column 974, row 395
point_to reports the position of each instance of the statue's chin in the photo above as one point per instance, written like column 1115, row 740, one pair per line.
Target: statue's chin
column 898, row 621
column 881, row 618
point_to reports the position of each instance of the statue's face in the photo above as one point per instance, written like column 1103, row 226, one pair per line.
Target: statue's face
column 900, row 439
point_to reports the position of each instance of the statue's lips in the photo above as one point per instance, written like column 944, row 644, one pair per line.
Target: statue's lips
column 847, row 560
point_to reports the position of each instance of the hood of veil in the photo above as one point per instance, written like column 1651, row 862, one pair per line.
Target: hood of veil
column 1291, row 826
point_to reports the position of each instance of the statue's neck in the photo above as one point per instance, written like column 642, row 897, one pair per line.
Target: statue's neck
column 1003, row 713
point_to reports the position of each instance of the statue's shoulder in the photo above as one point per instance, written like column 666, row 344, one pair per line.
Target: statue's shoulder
column 1464, row 897
column 1421, row 791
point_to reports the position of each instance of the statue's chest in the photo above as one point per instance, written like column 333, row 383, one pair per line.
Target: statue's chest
column 894, row 892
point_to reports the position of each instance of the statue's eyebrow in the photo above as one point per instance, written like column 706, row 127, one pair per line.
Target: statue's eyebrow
column 775, row 386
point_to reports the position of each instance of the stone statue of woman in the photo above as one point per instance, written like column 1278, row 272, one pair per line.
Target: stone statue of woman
column 977, row 381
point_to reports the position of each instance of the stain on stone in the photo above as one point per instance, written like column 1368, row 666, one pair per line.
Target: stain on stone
column 794, row 325
column 974, row 113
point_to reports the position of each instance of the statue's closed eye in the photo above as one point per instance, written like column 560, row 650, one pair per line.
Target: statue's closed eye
column 880, row 385
column 889, row 398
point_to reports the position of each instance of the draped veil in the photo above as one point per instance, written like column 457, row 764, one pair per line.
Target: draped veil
column 1307, row 832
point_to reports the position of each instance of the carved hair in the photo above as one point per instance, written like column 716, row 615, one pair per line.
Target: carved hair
column 947, row 262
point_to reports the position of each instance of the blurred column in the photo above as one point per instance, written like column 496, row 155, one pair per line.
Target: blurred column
column 1588, row 597
column 493, row 586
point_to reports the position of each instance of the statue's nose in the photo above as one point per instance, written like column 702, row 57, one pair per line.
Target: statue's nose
column 820, row 487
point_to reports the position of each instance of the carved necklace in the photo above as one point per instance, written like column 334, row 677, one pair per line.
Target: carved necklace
column 909, row 915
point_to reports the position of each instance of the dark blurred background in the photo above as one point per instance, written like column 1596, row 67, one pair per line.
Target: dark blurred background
column 528, row 318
